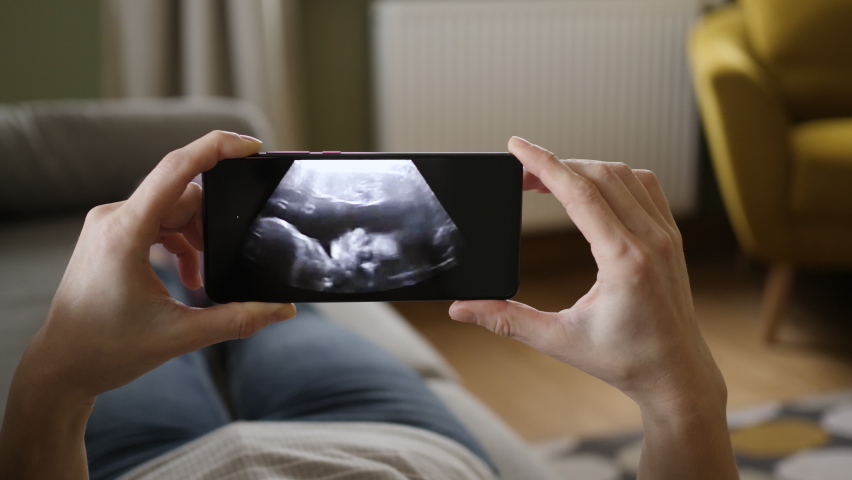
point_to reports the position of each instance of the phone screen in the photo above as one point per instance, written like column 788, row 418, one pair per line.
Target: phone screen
column 302, row 227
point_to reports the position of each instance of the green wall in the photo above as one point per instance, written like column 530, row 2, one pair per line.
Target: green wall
column 49, row 49
column 336, row 45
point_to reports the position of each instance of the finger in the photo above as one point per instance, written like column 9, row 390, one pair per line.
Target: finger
column 183, row 211
column 655, row 191
column 189, row 264
column 201, row 327
column 637, row 188
column 616, row 193
column 531, row 182
column 162, row 188
column 192, row 231
column 185, row 216
column 506, row 318
column 581, row 199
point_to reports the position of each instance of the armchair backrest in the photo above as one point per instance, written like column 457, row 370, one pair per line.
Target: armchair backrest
column 806, row 46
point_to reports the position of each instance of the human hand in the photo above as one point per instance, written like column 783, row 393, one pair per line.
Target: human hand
column 636, row 328
column 111, row 319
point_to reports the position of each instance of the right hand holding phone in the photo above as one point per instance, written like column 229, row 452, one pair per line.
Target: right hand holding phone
column 636, row 328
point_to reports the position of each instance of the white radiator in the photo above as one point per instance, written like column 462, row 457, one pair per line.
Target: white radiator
column 601, row 79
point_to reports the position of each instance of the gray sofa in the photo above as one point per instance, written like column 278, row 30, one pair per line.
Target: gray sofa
column 57, row 159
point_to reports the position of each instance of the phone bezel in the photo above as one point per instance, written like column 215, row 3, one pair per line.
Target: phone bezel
column 212, row 287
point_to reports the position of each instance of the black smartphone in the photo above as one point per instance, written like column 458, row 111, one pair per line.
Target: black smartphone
column 350, row 227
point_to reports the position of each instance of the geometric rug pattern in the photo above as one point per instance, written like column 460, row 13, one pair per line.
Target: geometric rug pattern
column 808, row 439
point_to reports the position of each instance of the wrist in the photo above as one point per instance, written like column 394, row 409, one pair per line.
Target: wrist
column 687, row 439
column 691, row 402
column 33, row 394
column 695, row 415
column 44, row 419
column 46, row 370
column 40, row 388
column 695, row 387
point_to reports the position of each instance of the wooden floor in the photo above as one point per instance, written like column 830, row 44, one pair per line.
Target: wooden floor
column 542, row 398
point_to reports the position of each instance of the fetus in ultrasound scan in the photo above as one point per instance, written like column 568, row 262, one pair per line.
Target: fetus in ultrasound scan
column 351, row 226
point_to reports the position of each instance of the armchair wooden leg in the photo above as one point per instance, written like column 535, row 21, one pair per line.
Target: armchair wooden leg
column 779, row 282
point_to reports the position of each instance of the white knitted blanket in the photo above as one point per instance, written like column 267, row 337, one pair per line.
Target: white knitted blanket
column 314, row 450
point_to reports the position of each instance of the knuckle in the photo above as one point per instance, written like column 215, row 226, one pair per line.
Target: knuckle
column 551, row 157
column 170, row 164
column 647, row 177
column 664, row 243
column 218, row 137
column 601, row 171
column 640, row 262
column 101, row 211
column 96, row 214
column 676, row 238
column 502, row 325
column 172, row 159
column 621, row 169
column 243, row 325
column 584, row 191
column 105, row 226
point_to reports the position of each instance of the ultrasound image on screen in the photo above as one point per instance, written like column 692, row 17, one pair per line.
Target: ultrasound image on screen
column 351, row 226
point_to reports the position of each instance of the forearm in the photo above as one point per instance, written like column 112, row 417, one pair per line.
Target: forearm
column 687, row 444
column 43, row 429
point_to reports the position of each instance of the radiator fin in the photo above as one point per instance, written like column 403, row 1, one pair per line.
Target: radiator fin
column 601, row 79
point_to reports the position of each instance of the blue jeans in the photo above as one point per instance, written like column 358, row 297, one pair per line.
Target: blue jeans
column 305, row 369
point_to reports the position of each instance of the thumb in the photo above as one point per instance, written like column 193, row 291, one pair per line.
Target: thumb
column 506, row 318
column 231, row 321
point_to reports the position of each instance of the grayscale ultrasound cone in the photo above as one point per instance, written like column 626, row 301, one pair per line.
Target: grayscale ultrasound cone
column 351, row 226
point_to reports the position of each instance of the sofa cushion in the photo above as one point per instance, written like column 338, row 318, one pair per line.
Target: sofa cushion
column 73, row 155
column 822, row 170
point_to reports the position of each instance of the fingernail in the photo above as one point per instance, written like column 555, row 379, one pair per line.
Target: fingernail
column 250, row 139
column 520, row 142
column 200, row 280
column 285, row 313
column 463, row 316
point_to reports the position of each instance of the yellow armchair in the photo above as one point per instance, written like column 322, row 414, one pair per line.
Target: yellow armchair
column 774, row 85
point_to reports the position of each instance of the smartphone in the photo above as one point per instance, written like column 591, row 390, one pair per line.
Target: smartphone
column 350, row 227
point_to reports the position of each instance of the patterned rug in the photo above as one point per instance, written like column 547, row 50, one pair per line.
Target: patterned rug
column 809, row 439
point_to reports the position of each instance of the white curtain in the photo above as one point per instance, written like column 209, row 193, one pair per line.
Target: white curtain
column 240, row 48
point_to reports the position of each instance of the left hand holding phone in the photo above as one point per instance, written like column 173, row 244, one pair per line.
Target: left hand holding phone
column 112, row 320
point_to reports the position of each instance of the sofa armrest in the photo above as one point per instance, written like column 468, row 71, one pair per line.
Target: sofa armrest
column 747, row 127
column 72, row 155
